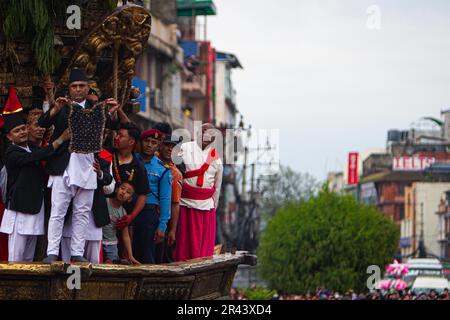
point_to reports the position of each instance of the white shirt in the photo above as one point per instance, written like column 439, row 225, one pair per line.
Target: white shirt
column 27, row 148
column 22, row 223
column 80, row 171
column 194, row 157
column 46, row 106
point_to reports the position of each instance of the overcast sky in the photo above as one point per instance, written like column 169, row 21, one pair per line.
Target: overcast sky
column 331, row 85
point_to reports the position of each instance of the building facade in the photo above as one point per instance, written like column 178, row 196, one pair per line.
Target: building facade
column 159, row 70
column 443, row 214
column 421, row 220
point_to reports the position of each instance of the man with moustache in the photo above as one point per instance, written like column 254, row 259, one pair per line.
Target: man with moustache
column 72, row 175
column 150, row 228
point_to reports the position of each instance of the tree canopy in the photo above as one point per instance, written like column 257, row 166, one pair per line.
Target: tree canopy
column 285, row 186
column 327, row 241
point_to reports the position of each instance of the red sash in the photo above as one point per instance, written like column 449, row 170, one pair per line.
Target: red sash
column 194, row 193
column 200, row 173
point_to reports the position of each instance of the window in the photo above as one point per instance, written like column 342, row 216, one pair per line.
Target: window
column 401, row 189
column 402, row 212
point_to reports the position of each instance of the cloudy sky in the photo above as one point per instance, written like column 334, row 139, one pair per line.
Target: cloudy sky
column 314, row 70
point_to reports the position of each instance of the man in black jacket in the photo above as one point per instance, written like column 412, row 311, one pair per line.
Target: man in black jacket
column 72, row 175
column 23, row 220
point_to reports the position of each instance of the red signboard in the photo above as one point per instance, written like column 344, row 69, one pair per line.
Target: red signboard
column 352, row 168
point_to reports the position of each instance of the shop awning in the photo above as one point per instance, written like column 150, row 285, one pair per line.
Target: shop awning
column 189, row 8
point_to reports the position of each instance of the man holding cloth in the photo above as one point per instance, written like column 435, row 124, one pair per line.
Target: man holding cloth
column 72, row 175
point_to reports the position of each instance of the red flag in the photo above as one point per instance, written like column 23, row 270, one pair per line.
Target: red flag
column 13, row 103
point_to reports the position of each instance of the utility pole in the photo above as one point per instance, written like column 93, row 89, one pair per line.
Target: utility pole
column 252, row 189
column 244, row 174
column 421, row 222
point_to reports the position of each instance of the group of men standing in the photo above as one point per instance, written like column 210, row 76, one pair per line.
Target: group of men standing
column 81, row 199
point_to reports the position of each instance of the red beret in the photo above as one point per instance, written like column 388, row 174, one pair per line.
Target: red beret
column 152, row 133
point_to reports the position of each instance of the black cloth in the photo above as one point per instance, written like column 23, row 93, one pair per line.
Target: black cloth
column 99, row 205
column 26, row 177
column 87, row 128
column 60, row 159
column 144, row 228
column 77, row 75
column 13, row 120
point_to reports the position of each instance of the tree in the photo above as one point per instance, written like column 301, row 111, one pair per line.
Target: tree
column 329, row 240
column 285, row 186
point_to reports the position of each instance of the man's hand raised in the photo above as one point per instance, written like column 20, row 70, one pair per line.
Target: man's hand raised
column 112, row 104
column 57, row 106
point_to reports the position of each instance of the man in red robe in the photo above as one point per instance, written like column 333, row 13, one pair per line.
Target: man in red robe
column 196, row 231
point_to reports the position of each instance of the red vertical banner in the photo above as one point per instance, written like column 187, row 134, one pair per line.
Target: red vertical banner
column 352, row 168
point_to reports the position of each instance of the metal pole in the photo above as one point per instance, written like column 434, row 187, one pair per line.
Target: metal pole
column 421, row 222
column 252, row 181
column 244, row 173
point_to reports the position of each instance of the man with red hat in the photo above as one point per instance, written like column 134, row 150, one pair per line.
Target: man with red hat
column 149, row 228
column 23, row 218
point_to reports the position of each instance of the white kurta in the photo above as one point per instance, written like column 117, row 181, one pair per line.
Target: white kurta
column 22, row 230
column 194, row 157
column 80, row 171
column 22, row 223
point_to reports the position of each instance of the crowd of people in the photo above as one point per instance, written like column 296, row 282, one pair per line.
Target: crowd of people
column 324, row 294
column 80, row 182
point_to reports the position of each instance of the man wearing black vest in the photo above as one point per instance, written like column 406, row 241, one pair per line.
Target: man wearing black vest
column 72, row 175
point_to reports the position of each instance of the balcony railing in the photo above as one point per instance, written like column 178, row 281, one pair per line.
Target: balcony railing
column 194, row 85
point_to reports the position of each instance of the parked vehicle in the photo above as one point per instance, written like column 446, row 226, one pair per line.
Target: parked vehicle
column 427, row 284
column 423, row 267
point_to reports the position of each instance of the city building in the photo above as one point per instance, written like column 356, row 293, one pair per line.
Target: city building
column 225, row 108
column 421, row 221
column 444, row 225
column 199, row 61
column 159, row 70
column 335, row 181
